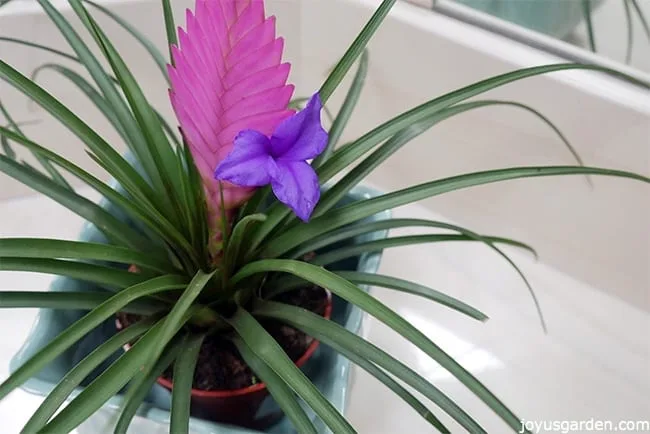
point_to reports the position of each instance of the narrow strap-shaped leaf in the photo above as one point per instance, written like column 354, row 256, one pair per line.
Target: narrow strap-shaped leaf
column 93, row 95
column 280, row 391
column 344, row 114
column 99, row 101
column 73, row 301
column 99, row 274
column 262, row 344
column 151, row 48
column 137, row 210
column 111, row 381
column 76, row 375
column 137, row 392
column 126, row 175
column 170, row 27
column 351, row 293
column 361, row 228
column 629, row 23
column 199, row 208
column 56, row 176
column 176, row 317
column 289, row 283
column 356, row 211
column 356, row 348
column 393, row 223
column 385, row 243
column 113, row 228
column 157, row 144
column 586, row 11
column 40, row 47
column 52, row 248
column 349, row 153
column 184, row 368
column 408, row 287
column 80, row 328
column 239, row 234
column 6, row 147
column 377, row 245
column 332, row 196
column 355, row 49
column 346, row 155
column 642, row 18
column 113, row 97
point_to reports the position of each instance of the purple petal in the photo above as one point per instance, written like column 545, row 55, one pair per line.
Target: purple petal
column 249, row 163
column 300, row 137
column 296, row 185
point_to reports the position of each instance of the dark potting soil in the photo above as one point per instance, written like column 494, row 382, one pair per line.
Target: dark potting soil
column 221, row 367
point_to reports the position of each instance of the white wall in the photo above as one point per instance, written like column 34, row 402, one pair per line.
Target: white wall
column 599, row 236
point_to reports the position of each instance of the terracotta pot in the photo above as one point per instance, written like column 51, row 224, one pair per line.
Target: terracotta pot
column 250, row 407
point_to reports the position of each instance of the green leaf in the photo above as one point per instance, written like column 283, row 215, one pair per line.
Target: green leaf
column 158, row 146
column 289, row 283
column 355, row 49
column 586, row 10
column 358, row 349
column 262, row 344
column 93, row 95
column 343, row 117
column 280, row 391
column 40, row 47
column 332, row 196
column 137, row 392
column 238, row 236
column 346, row 155
column 109, row 225
column 349, row 153
column 359, row 210
column 642, row 18
column 630, row 31
column 105, row 386
column 56, row 176
column 100, row 101
column 122, row 112
column 151, row 48
column 132, row 182
column 184, row 368
column 73, row 301
column 52, row 248
column 170, row 27
column 407, row 240
column 177, row 317
column 412, row 288
column 360, row 228
column 138, row 211
column 199, row 209
column 76, row 375
column 83, row 326
column 374, row 307
column 6, row 147
column 99, row 274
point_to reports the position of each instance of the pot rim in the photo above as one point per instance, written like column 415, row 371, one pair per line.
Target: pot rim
column 259, row 386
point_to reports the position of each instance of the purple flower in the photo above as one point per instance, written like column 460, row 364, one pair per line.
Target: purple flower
column 257, row 160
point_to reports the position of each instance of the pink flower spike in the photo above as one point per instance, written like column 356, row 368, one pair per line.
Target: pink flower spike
column 227, row 77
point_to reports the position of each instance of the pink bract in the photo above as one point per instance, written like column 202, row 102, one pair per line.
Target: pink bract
column 228, row 76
